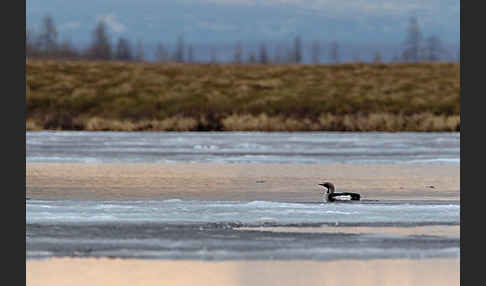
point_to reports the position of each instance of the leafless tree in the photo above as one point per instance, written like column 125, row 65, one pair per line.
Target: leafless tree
column 139, row 51
column 297, row 50
column 413, row 41
column 377, row 58
column 67, row 50
column 31, row 48
column 101, row 46
column 406, row 56
column 334, row 52
column 433, row 49
column 263, row 55
column 179, row 51
column 190, row 54
column 123, row 50
column 47, row 41
column 277, row 58
column 289, row 56
column 213, row 56
column 237, row 56
column 316, row 52
column 252, row 58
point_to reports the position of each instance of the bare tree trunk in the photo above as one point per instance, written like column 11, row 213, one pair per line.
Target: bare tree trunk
column 377, row 58
column 297, row 50
column 179, row 51
column 334, row 52
column 237, row 57
column 139, row 52
column 123, row 50
column 263, row 55
column 101, row 46
column 316, row 52
column 413, row 41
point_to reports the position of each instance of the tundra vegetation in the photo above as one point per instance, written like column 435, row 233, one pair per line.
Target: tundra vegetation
column 153, row 96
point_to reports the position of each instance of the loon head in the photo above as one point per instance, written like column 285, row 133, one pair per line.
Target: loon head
column 329, row 186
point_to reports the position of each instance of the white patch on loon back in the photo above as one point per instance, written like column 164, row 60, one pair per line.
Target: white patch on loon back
column 343, row 198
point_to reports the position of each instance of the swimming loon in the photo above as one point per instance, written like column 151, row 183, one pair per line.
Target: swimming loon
column 331, row 196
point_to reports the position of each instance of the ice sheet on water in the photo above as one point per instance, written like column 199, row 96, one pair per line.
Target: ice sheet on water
column 309, row 253
column 248, row 213
column 243, row 147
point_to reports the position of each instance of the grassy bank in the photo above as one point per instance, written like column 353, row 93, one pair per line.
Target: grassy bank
column 79, row 95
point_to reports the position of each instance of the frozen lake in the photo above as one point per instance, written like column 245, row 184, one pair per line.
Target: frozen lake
column 242, row 147
column 181, row 228
column 254, row 213
column 209, row 230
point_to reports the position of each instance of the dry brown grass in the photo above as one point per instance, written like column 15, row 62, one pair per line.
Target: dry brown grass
column 372, row 122
column 169, row 124
column 32, row 125
column 148, row 96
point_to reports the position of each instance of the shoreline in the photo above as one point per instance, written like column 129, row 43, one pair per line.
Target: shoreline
column 104, row 271
column 374, row 122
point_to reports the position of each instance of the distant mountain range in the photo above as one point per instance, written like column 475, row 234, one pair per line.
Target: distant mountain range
column 372, row 25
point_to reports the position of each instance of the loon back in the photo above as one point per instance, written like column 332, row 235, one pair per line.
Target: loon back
column 331, row 196
column 343, row 197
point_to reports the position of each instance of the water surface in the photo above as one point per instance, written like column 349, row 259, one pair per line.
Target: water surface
column 243, row 147
column 210, row 230
column 225, row 230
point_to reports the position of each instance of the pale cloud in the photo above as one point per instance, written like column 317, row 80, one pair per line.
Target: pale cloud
column 112, row 23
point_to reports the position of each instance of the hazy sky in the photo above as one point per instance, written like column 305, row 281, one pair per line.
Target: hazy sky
column 226, row 21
